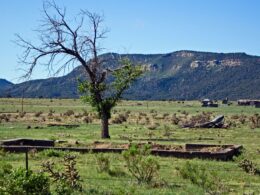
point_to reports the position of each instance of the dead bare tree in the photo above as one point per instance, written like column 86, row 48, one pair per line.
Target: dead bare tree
column 63, row 43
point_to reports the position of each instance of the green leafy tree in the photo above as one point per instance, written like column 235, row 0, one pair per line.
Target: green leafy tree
column 95, row 94
column 64, row 42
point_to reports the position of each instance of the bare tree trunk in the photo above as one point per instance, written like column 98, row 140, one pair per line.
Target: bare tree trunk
column 104, row 126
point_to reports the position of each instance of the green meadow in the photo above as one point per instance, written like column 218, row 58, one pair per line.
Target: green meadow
column 135, row 121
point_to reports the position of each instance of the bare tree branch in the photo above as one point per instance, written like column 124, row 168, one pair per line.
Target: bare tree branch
column 57, row 37
column 63, row 43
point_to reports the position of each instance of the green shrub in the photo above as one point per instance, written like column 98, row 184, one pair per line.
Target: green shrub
column 38, row 114
column 119, row 118
column 103, row 162
column 62, row 188
column 255, row 121
column 5, row 168
column 249, row 167
column 88, row 119
column 69, row 113
column 174, row 119
column 66, row 181
column 103, row 165
column 52, row 153
column 167, row 131
column 244, row 161
column 19, row 182
column 140, row 164
column 2, row 152
column 51, row 112
column 201, row 177
column 22, row 114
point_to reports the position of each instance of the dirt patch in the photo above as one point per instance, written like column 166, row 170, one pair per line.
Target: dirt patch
column 155, row 146
column 167, row 147
column 106, row 145
column 62, row 125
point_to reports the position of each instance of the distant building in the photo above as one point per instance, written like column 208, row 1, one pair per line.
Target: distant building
column 248, row 102
column 257, row 104
column 208, row 103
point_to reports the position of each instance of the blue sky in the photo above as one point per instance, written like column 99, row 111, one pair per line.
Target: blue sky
column 142, row 26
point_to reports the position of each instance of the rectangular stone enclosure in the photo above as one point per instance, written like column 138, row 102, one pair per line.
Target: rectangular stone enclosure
column 204, row 151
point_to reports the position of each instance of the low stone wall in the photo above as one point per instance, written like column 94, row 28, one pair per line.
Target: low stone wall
column 27, row 142
column 226, row 154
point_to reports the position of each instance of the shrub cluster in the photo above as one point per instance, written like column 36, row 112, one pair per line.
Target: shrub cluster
column 201, row 177
column 141, row 164
column 69, row 113
column 249, row 167
column 255, row 121
column 103, row 163
column 19, row 181
column 66, row 181
column 38, row 114
column 119, row 119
